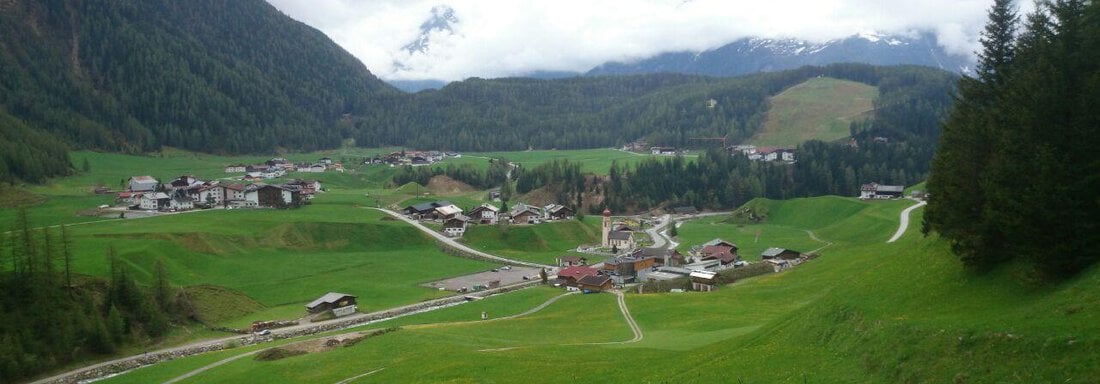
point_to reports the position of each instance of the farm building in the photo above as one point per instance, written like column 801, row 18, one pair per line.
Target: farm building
column 426, row 209
column 525, row 214
column 558, row 212
column 143, row 184
column 485, row 214
column 594, row 283
column 571, row 261
column 779, row 254
column 704, row 281
column 571, row 275
column 663, row 257
column 879, row 191
column 456, row 225
column 155, row 201
column 339, row 303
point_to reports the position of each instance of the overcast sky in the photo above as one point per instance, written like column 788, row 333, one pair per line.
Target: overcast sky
column 508, row 37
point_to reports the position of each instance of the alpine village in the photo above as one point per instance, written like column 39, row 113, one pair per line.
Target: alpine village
column 274, row 191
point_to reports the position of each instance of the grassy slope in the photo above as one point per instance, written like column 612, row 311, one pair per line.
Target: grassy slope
column 281, row 259
column 818, row 109
column 542, row 243
column 865, row 311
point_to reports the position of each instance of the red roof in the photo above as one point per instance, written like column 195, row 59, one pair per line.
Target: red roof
column 576, row 273
column 606, row 212
column 711, row 249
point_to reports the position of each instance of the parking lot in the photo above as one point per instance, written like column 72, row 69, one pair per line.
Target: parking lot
column 507, row 276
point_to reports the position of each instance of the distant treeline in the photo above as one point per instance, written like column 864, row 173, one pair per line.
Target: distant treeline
column 895, row 146
column 50, row 317
column 1017, row 175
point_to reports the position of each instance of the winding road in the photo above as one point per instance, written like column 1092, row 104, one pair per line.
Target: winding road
column 905, row 221
column 451, row 242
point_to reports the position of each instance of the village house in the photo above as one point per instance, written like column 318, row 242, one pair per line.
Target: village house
column 571, row 261
column 597, row 283
column 879, row 191
column 569, row 276
column 143, row 184
column 181, row 203
column 154, row 201
column 484, row 214
column 628, row 269
column 129, row 199
column 744, row 150
column 780, row 254
column 325, row 160
column 235, row 168
column 455, row 226
column 447, row 212
column 341, row 304
column 273, row 196
column 233, row 192
column 278, row 162
column 525, row 214
column 704, row 281
column 661, row 256
column 558, row 212
column 663, row 151
column 307, row 167
column 724, row 252
column 184, row 182
column 426, row 211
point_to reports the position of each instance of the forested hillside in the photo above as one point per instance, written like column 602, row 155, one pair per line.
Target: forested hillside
column 206, row 75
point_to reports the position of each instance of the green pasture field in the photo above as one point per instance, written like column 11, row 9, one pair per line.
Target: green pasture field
column 865, row 311
column 818, row 109
column 597, row 161
column 540, row 243
column 282, row 259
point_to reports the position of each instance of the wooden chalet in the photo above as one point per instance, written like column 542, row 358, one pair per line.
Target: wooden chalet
column 594, row 283
column 780, row 254
column 571, row 275
column 334, row 301
column 571, row 261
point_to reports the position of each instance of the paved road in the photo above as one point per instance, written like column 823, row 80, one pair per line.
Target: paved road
column 905, row 221
column 412, row 308
column 659, row 239
column 451, row 242
column 234, row 358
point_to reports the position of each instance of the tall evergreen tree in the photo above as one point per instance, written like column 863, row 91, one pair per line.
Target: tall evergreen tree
column 1016, row 172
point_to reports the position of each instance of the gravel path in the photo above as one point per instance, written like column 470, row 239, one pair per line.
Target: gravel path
column 905, row 221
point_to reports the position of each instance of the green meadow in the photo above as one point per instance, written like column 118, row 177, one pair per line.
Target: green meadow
column 597, row 161
column 541, row 243
column 818, row 109
column 865, row 311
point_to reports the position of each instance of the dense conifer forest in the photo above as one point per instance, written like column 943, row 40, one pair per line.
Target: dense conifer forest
column 1016, row 177
column 50, row 317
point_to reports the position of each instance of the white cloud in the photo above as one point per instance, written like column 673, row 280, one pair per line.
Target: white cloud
column 508, row 37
